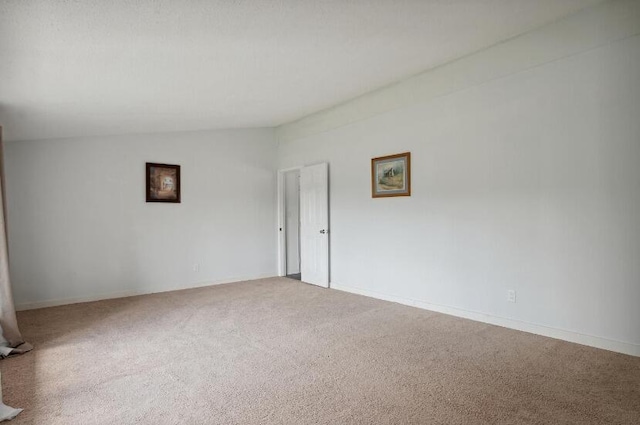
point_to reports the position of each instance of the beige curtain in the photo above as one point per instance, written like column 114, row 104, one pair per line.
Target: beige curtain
column 11, row 341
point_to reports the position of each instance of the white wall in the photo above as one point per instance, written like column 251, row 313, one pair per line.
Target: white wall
column 79, row 227
column 525, row 179
column 292, row 220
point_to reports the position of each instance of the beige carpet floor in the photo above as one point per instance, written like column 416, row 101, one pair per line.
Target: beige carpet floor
column 277, row 351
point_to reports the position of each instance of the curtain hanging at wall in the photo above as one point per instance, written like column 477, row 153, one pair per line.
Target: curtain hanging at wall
column 11, row 341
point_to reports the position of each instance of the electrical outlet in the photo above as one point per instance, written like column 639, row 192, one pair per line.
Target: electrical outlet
column 196, row 267
column 511, row 295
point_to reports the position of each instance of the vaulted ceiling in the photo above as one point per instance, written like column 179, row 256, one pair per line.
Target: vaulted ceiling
column 77, row 68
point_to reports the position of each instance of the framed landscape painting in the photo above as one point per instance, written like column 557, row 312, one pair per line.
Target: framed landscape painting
column 391, row 175
column 163, row 183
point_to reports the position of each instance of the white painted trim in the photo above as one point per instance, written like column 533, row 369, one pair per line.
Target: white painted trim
column 578, row 338
column 282, row 234
column 590, row 28
column 131, row 293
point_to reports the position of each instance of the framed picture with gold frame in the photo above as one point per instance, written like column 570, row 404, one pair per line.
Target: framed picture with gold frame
column 391, row 175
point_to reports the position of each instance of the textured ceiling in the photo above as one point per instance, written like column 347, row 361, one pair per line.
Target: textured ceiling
column 76, row 68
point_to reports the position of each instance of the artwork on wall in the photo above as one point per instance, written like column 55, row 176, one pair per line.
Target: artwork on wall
column 391, row 175
column 163, row 183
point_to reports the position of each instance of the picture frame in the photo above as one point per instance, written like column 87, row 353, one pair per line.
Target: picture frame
column 391, row 175
column 162, row 183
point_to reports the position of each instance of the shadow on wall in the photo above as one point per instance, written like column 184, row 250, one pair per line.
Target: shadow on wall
column 39, row 121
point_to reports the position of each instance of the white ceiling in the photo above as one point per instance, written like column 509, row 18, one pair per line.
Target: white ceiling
column 77, row 68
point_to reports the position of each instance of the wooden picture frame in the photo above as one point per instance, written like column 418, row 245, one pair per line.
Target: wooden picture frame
column 391, row 175
column 163, row 183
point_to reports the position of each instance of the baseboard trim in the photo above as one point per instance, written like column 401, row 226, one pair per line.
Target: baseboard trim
column 565, row 335
column 132, row 293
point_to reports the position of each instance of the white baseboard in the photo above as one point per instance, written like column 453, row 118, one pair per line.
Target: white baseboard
column 590, row 340
column 131, row 293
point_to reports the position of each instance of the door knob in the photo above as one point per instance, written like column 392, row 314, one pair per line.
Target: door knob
column 324, row 231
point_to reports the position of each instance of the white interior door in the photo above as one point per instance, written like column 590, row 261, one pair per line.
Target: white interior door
column 314, row 224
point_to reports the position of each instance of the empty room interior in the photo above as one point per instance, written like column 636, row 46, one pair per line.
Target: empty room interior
column 320, row 212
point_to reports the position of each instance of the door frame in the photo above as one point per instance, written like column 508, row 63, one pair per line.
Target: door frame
column 282, row 220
